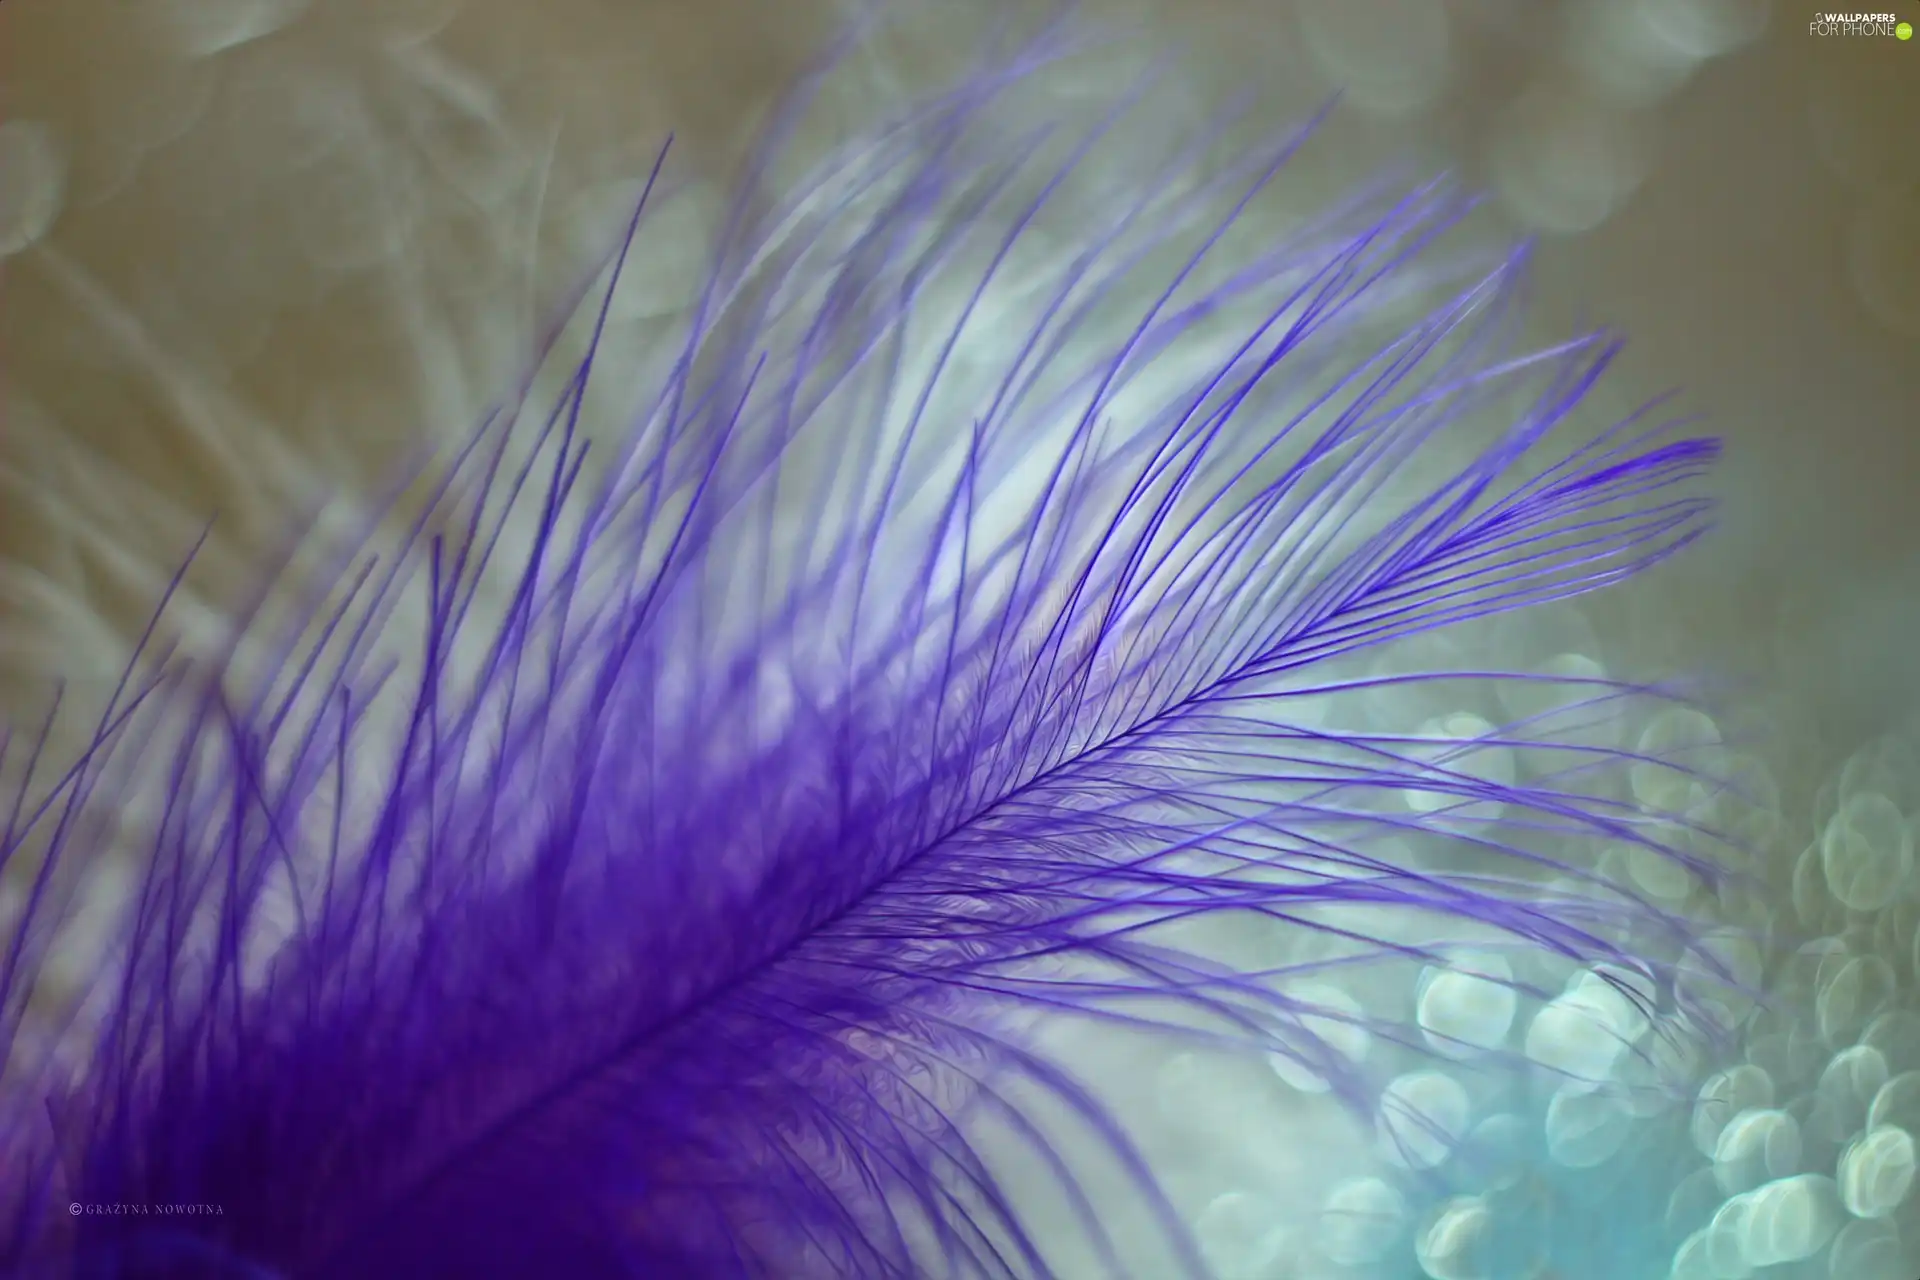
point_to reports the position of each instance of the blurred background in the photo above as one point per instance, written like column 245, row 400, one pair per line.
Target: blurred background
column 236, row 227
column 256, row 250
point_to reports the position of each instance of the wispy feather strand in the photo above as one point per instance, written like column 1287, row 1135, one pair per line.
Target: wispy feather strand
column 666, row 863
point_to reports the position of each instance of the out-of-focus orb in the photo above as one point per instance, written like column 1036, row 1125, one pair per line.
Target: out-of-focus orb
column 1564, row 160
column 1755, row 1146
column 1895, row 1036
column 1624, row 51
column 1461, row 764
column 1585, row 1128
column 1897, row 1103
column 1725, row 1095
column 1241, row 1236
column 1681, row 746
column 1858, row 991
column 1876, row 1173
column 1422, row 1117
column 1843, row 1097
column 1333, row 1019
column 1583, row 1032
column 1870, row 1249
column 1867, row 852
column 1692, row 1261
column 1659, row 873
column 1789, row 1220
column 1360, row 1221
column 1470, row 1007
column 1454, row 1244
column 1499, row 1151
column 1544, row 693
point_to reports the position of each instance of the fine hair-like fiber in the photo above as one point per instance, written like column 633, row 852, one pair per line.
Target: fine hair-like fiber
column 674, row 855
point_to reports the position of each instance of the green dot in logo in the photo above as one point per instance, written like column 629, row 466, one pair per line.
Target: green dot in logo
column 1903, row 30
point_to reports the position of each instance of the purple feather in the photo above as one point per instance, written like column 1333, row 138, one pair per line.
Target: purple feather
column 677, row 860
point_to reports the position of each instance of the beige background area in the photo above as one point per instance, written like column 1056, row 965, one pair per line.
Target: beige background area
column 288, row 236
column 286, row 243
column 259, row 251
